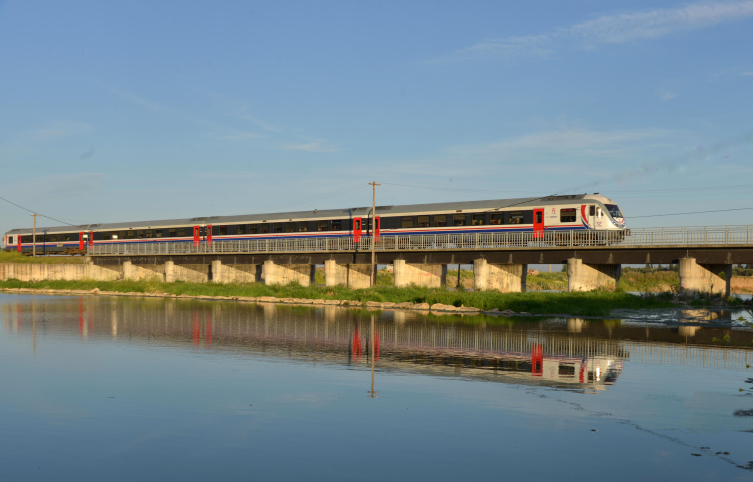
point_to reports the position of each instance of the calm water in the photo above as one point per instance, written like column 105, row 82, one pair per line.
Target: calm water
column 98, row 388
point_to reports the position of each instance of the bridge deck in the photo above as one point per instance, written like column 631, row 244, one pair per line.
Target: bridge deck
column 725, row 244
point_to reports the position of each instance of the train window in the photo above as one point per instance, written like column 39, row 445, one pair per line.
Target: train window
column 516, row 217
column 140, row 234
column 592, row 210
column 440, row 220
column 222, row 230
column 53, row 238
column 10, row 239
column 458, row 219
column 337, row 225
column 567, row 215
column 614, row 210
column 170, row 232
column 322, row 226
column 423, row 221
column 40, row 239
column 157, row 233
column 181, row 232
column 106, row 236
column 114, row 235
column 407, row 222
column 241, row 229
column 277, row 228
column 149, row 233
column 539, row 217
column 303, row 226
column 498, row 218
column 598, row 213
column 132, row 234
column 289, row 227
column 478, row 219
column 26, row 239
column 253, row 229
column 264, row 228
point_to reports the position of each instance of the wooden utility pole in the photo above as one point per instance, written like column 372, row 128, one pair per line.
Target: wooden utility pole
column 34, row 236
column 373, row 232
column 372, row 392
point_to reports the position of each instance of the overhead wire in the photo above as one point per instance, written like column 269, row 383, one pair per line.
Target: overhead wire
column 37, row 213
column 693, row 212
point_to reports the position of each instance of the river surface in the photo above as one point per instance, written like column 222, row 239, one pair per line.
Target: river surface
column 113, row 388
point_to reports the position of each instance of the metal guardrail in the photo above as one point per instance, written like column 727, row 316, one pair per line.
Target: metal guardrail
column 705, row 236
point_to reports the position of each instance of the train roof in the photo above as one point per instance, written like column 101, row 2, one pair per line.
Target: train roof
column 492, row 204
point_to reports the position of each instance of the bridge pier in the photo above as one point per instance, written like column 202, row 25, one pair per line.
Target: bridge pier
column 351, row 275
column 282, row 274
column 704, row 278
column 507, row 278
column 586, row 277
column 426, row 275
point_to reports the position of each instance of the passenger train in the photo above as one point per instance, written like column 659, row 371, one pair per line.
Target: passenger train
column 588, row 212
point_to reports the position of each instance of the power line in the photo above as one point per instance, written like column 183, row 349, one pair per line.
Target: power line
column 34, row 212
column 694, row 212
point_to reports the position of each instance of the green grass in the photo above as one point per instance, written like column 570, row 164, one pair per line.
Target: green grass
column 649, row 279
column 16, row 257
column 546, row 281
column 594, row 303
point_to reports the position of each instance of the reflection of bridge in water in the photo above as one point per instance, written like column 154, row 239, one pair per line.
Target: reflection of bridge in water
column 557, row 352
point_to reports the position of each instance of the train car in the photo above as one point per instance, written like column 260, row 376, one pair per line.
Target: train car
column 580, row 212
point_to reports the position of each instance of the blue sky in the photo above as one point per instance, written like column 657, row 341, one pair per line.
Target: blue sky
column 147, row 110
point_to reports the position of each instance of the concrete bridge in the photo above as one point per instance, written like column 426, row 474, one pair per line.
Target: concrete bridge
column 705, row 256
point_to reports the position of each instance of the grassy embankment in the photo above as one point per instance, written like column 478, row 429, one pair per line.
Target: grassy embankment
column 632, row 279
column 16, row 257
column 595, row 303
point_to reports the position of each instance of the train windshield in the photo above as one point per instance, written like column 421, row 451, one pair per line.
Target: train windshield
column 614, row 210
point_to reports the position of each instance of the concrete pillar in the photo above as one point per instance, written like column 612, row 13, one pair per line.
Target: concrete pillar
column 426, row 275
column 354, row 276
column 216, row 271
column 587, row 277
column 169, row 272
column 282, row 274
column 129, row 271
column 704, row 278
column 507, row 278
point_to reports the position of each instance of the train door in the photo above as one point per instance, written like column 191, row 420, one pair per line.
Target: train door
column 196, row 235
column 357, row 229
column 377, row 228
column 209, row 234
column 81, row 240
column 18, row 238
column 538, row 223
column 91, row 238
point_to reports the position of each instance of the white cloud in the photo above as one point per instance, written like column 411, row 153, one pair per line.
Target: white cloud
column 233, row 136
column 53, row 131
column 658, row 22
column 57, row 186
column 311, row 147
column 559, row 142
column 747, row 73
column 607, row 29
column 668, row 96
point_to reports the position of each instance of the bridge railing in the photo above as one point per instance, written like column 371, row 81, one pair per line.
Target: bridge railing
column 711, row 236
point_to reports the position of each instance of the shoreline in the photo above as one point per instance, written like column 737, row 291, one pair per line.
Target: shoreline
column 387, row 305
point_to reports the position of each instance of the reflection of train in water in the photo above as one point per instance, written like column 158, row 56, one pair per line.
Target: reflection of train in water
column 583, row 212
column 402, row 340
